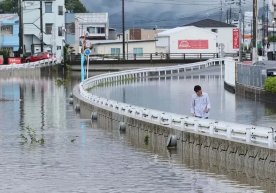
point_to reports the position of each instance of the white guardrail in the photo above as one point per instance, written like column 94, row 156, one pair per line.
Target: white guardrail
column 38, row 64
column 249, row 134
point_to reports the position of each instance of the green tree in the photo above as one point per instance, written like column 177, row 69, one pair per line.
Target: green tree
column 75, row 6
column 8, row 6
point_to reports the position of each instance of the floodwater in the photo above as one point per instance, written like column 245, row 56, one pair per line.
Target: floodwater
column 173, row 94
column 46, row 147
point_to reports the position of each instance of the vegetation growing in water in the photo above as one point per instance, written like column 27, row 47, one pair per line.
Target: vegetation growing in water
column 146, row 140
column 270, row 84
column 29, row 135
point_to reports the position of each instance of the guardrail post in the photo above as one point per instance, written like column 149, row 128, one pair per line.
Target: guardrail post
column 229, row 132
column 184, row 56
column 211, row 129
column 196, row 126
column 134, row 55
column 150, row 57
column 248, row 135
column 200, row 56
column 271, row 138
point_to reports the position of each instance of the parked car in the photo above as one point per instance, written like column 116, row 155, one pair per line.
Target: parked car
column 38, row 56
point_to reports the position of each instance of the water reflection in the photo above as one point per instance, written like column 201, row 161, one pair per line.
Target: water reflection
column 173, row 94
column 80, row 156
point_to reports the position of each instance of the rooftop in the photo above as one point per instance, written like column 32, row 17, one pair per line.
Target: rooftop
column 92, row 17
column 179, row 29
column 209, row 23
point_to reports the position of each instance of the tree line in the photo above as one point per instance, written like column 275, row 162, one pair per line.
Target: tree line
column 11, row 6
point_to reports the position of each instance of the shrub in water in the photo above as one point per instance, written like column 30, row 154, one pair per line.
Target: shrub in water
column 270, row 84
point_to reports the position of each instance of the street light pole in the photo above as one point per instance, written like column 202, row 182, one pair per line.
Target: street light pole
column 41, row 28
column 255, row 28
column 123, row 27
column 240, row 31
column 273, row 40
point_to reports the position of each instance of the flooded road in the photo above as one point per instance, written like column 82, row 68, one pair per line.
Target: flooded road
column 46, row 147
column 173, row 94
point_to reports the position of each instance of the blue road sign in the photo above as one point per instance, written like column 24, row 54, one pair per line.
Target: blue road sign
column 87, row 52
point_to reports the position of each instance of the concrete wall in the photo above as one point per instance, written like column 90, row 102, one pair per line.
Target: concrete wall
column 255, row 93
column 239, row 154
column 230, row 74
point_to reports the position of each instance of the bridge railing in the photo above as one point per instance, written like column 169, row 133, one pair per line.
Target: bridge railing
column 38, row 64
column 249, row 134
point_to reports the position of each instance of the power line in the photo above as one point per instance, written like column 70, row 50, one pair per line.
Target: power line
column 171, row 2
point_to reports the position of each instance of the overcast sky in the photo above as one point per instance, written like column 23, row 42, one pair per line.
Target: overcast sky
column 158, row 13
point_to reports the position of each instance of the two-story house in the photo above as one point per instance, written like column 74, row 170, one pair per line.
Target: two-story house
column 53, row 26
column 82, row 29
column 9, row 28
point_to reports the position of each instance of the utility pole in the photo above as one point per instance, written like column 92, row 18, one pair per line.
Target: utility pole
column 240, row 23
column 21, row 29
column 221, row 10
column 123, row 28
column 41, row 28
column 264, row 28
column 254, row 41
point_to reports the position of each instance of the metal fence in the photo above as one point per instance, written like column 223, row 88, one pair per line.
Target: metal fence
column 150, row 56
column 251, row 75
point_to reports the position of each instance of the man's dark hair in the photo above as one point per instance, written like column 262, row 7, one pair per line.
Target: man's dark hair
column 197, row 88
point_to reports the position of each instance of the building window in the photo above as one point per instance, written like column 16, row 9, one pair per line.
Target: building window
column 92, row 30
column 48, row 7
column 100, row 30
column 48, row 28
column 60, row 31
column 6, row 30
column 70, row 28
column 60, row 10
column 96, row 30
column 138, row 51
column 214, row 30
column 115, row 51
column 58, row 47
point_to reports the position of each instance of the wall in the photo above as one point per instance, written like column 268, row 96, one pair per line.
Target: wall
column 225, row 36
column 193, row 34
column 11, row 40
column 239, row 154
column 187, row 39
column 230, row 74
column 70, row 38
column 148, row 47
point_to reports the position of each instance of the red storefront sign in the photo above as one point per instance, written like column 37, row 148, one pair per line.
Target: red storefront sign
column 236, row 38
column 14, row 60
column 1, row 59
column 193, row 44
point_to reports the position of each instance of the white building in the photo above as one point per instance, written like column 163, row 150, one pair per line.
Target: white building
column 228, row 36
column 115, row 47
column 53, row 26
column 94, row 26
column 188, row 39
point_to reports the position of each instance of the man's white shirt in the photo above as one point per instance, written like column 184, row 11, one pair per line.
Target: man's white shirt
column 199, row 104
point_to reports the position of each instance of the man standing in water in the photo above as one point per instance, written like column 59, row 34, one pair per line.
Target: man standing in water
column 200, row 103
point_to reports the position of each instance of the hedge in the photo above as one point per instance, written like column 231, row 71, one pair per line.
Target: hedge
column 270, row 84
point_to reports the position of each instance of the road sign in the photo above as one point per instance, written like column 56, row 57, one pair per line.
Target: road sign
column 87, row 52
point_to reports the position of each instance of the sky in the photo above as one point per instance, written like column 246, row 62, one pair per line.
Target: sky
column 161, row 13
